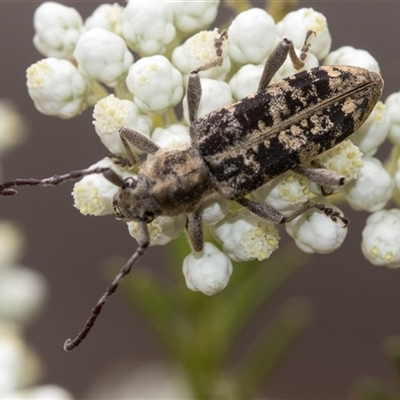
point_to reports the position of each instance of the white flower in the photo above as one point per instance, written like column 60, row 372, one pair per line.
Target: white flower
column 213, row 209
column 345, row 159
column 107, row 16
column 348, row 55
column 174, row 137
column 197, row 51
column 11, row 244
column 57, row 88
column 208, row 271
column 57, row 29
column 381, row 238
column 94, row 193
column 295, row 25
column 245, row 81
column 252, row 37
column 314, row 232
column 19, row 366
column 215, row 94
column 155, row 83
column 43, row 392
column 392, row 110
column 192, row 16
column 285, row 193
column 246, row 237
column 110, row 114
column 22, row 293
column 147, row 26
column 373, row 131
column 162, row 229
column 103, row 55
column 13, row 127
column 373, row 188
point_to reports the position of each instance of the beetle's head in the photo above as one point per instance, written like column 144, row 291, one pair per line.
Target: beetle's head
column 133, row 202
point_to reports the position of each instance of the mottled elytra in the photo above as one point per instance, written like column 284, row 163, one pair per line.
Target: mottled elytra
column 236, row 149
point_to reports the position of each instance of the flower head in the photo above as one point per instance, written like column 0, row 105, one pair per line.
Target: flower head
column 252, row 37
column 296, row 24
column 57, row 87
column 172, row 39
column 162, row 229
column 57, row 29
column 147, row 27
column 209, row 271
column 106, row 16
column 94, row 194
column 110, row 114
column 381, row 236
column 246, row 237
column 373, row 188
column 103, row 55
column 155, row 84
column 197, row 51
column 314, row 233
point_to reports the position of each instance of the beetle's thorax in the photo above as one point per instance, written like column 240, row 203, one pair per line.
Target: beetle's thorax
column 177, row 180
column 171, row 182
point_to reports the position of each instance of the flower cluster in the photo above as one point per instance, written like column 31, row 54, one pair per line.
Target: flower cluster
column 91, row 63
column 22, row 294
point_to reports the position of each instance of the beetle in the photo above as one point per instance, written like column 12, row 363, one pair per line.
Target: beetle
column 236, row 149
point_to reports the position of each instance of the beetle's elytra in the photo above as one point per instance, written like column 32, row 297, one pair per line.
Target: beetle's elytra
column 236, row 149
column 261, row 136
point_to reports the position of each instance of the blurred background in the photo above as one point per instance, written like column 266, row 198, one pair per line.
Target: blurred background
column 356, row 304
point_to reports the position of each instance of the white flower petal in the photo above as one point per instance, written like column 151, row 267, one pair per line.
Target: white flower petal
column 57, row 88
column 381, row 238
column 246, row 237
column 207, row 272
column 103, row 55
column 314, row 232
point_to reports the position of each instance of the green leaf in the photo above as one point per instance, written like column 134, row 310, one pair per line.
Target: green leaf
column 271, row 346
column 371, row 389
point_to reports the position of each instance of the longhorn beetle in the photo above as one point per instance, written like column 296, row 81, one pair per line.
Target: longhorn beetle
column 236, row 149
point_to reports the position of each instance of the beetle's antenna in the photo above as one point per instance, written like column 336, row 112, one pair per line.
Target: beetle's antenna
column 143, row 242
column 5, row 188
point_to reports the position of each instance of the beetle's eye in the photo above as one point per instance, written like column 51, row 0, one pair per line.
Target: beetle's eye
column 130, row 183
column 149, row 216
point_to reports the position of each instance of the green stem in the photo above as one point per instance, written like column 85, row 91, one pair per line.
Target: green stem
column 121, row 91
column 199, row 332
column 271, row 347
column 98, row 92
column 278, row 9
column 238, row 6
column 391, row 167
column 392, row 349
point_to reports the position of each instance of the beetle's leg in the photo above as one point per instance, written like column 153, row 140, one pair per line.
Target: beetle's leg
column 278, row 57
column 306, row 46
column 132, row 138
column 193, row 92
column 114, row 178
column 143, row 242
column 321, row 176
column 5, row 188
column 121, row 161
column 267, row 212
column 194, row 229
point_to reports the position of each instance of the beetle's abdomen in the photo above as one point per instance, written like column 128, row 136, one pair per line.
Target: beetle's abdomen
column 265, row 134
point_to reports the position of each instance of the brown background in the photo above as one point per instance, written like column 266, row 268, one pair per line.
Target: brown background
column 356, row 304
